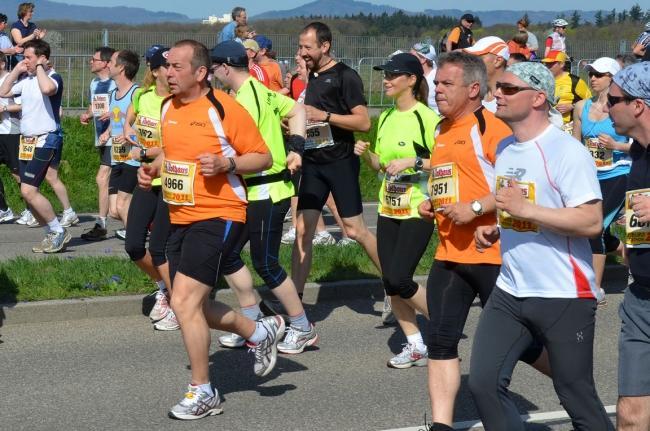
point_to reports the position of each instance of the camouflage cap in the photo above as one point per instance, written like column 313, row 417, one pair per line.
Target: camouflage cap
column 540, row 78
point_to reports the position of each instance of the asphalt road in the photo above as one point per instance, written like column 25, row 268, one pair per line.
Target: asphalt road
column 119, row 374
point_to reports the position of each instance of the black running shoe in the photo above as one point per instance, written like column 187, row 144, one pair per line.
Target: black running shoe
column 97, row 233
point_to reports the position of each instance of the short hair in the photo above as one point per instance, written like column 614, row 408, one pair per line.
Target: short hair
column 473, row 68
column 323, row 32
column 39, row 46
column 200, row 53
column 236, row 11
column 24, row 9
column 523, row 22
column 520, row 38
column 3, row 17
column 131, row 62
column 105, row 52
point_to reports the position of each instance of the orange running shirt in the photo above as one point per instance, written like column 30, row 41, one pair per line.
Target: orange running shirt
column 463, row 167
column 189, row 130
column 272, row 68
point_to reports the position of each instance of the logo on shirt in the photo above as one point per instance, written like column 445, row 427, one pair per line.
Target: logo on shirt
column 402, row 144
column 198, row 123
column 517, row 173
column 459, row 142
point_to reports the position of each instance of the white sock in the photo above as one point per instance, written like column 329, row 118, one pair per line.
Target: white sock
column 161, row 286
column 260, row 333
column 102, row 222
column 55, row 226
column 68, row 211
column 207, row 388
column 416, row 339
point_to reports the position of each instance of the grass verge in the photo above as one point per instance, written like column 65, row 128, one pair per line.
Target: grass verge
column 23, row 279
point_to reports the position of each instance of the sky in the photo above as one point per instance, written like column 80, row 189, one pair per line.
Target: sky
column 203, row 8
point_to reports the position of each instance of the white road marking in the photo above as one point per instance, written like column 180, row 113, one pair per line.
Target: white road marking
column 534, row 417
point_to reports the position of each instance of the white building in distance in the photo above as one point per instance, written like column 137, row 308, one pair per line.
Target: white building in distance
column 213, row 19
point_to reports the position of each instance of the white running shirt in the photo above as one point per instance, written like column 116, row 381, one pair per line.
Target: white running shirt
column 38, row 118
column 9, row 123
column 555, row 171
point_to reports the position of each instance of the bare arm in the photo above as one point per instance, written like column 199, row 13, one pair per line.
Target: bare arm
column 357, row 121
column 638, row 50
column 297, row 120
column 577, row 120
column 45, row 83
column 19, row 39
column 5, row 88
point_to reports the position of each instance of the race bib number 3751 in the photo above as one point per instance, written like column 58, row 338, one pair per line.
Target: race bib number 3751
column 178, row 182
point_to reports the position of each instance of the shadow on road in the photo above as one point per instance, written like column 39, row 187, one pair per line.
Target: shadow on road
column 8, row 296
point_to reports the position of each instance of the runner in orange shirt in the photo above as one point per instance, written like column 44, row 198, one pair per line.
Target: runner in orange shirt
column 266, row 59
column 209, row 140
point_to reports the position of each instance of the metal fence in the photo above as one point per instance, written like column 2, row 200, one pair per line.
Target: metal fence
column 72, row 49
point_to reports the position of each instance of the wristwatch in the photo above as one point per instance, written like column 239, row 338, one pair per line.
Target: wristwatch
column 327, row 117
column 143, row 153
column 233, row 166
column 419, row 164
column 477, row 208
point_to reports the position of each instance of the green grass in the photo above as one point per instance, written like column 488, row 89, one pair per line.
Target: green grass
column 23, row 279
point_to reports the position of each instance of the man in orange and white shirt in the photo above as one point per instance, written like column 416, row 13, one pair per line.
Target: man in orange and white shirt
column 209, row 141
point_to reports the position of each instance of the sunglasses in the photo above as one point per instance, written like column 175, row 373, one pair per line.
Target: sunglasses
column 597, row 74
column 613, row 100
column 389, row 76
column 510, row 90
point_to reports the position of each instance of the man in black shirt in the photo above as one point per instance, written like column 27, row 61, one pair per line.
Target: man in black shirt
column 336, row 108
column 628, row 103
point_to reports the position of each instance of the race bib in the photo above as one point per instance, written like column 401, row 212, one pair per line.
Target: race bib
column 602, row 156
column 27, row 148
column 121, row 152
column 506, row 221
column 568, row 127
column 148, row 131
column 319, row 135
column 637, row 234
column 443, row 185
column 178, row 182
column 396, row 199
column 99, row 104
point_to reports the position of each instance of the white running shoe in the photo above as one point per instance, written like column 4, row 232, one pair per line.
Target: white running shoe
column 387, row 316
column 6, row 216
column 323, row 238
column 287, row 216
column 69, row 219
column 25, row 217
column 296, row 340
column 196, row 405
column 344, row 242
column 289, row 237
column 409, row 357
column 160, row 308
column 266, row 351
column 121, row 234
column 168, row 323
column 232, row 340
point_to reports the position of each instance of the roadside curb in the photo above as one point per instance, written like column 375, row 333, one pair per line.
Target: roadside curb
column 133, row 305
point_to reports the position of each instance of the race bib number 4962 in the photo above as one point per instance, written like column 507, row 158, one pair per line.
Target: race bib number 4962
column 178, row 182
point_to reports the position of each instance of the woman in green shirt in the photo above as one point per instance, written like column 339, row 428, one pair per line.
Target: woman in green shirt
column 401, row 152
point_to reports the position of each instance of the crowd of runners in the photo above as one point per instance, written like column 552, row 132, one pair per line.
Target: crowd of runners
column 514, row 162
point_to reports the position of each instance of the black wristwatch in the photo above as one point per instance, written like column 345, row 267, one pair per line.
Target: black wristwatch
column 419, row 164
column 143, row 153
column 327, row 117
column 233, row 166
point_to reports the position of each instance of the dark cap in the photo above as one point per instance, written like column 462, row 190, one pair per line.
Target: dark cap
column 151, row 51
column 467, row 17
column 264, row 42
column 403, row 63
column 159, row 58
column 231, row 53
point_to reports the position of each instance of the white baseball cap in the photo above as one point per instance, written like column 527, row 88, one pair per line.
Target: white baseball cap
column 490, row 45
column 604, row 65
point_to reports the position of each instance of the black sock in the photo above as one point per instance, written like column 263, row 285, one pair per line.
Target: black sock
column 437, row 426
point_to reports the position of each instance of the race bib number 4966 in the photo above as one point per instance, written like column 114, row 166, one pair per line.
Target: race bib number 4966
column 178, row 182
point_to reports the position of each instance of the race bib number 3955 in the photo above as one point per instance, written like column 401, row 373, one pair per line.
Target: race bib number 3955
column 178, row 182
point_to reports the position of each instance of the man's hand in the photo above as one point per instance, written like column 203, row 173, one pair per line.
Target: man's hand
column 104, row 137
column 485, row 237
column 135, row 153
column 105, row 116
column 361, row 147
column 119, row 139
column 294, row 162
column 211, row 164
column 314, row 114
column 512, row 200
column 564, row 108
column 146, row 174
column 84, row 118
column 459, row 213
column 21, row 67
column 425, row 209
column 641, row 207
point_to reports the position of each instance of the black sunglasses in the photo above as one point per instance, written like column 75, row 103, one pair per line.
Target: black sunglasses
column 389, row 76
column 597, row 74
column 613, row 100
column 509, row 90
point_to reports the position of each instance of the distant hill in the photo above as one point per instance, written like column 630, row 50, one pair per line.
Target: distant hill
column 51, row 10
column 352, row 7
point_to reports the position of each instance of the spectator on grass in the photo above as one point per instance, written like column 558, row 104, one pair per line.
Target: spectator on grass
column 6, row 47
column 639, row 48
column 517, row 45
column 531, row 43
column 461, row 36
column 23, row 30
column 238, row 18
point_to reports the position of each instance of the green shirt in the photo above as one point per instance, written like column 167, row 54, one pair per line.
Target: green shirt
column 404, row 134
column 267, row 109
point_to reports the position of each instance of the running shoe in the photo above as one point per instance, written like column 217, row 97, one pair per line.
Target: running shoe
column 45, row 243
column 121, row 234
column 296, row 340
column 387, row 316
column 97, row 233
column 601, row 300
column 196, row 405
column 344, row 242
column 266, row 351
column 168, row 323
column 287, row 216
column 160, row 308
column 409, row 357
column 56, row 242
column 289, row 237
column 323, row 238
column 25, row 217
column 69, row 219
column 6, row 216
column 232, row 341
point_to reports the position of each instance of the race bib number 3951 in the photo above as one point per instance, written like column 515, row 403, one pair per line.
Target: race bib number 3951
column 443, row 185
column 637, row 234
column 178, row 182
